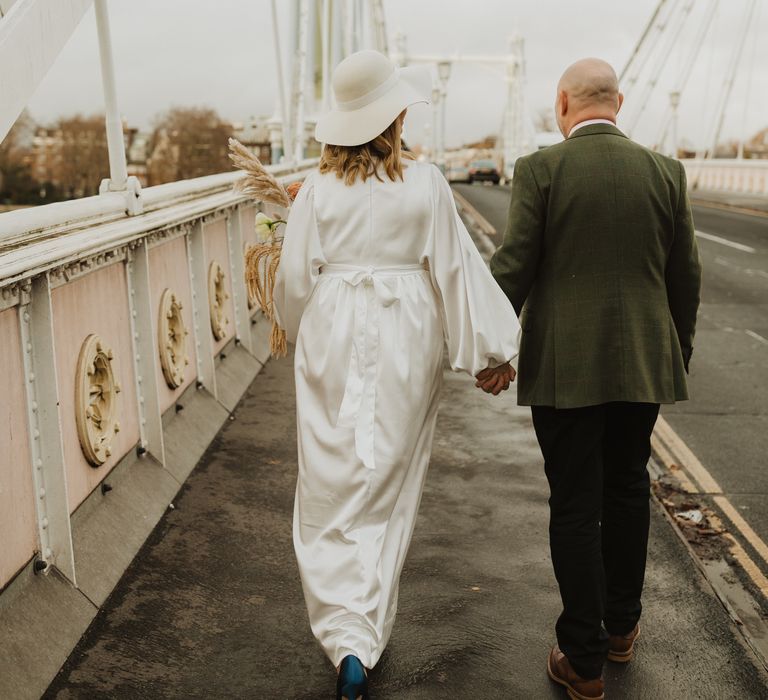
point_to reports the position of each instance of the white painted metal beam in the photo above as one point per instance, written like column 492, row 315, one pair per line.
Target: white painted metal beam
column 237, row 275
column 46, row 447
column 32, row 35
column 198, row 275
column 145, row 351
column 96, row 210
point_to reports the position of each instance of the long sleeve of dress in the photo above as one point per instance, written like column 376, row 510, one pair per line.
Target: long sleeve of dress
column 300, row 262
column 480, row 324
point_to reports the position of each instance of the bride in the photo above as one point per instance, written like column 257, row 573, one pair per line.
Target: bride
column 377, row 271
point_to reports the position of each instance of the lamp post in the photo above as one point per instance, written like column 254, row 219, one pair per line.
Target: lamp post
column 435, row 131
column 443, row 74
column 674, row 101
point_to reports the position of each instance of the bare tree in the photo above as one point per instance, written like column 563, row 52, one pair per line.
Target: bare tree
column 188, row 142
column 17, row 184
column 81, row 157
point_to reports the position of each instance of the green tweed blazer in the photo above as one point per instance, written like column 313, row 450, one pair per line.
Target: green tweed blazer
column 600, row 257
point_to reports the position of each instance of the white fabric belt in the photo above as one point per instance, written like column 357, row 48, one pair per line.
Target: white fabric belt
column 358, row 405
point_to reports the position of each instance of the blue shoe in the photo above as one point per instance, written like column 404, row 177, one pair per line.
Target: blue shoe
column 352, row 682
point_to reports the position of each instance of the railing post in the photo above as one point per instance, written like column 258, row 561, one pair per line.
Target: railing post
column 46, row 446
column 198, row 276
column 144, row 341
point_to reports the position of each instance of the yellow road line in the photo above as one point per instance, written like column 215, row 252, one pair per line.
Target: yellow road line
column 686, row 458
column 673, row 452
column 740, row 555
column 742, row 526
column 669, row 462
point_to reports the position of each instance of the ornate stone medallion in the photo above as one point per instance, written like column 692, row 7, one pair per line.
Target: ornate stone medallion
column 172, row 339
column 217, row 295
column 96, row 401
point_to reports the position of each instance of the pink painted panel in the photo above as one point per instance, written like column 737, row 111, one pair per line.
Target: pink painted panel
column 18, row 525
column 96, row 303
column 217, row 248
column 168, row 267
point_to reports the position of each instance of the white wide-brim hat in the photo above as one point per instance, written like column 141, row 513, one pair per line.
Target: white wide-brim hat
column 370, row 92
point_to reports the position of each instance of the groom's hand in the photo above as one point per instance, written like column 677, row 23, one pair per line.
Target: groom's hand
column 494, row 380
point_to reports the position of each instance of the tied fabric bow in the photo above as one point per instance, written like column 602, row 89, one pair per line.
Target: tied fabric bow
column 358, row 406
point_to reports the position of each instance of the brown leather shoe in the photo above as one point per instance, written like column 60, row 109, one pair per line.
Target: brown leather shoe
column 561, row 671
column 621, row 648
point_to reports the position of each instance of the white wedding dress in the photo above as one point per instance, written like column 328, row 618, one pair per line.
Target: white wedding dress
column 373, row 277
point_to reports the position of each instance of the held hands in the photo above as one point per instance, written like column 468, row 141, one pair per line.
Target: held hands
column 494, row 380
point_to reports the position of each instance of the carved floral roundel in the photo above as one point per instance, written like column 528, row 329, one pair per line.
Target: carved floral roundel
column 172, row 339
column 96, row 391
column 217, row 296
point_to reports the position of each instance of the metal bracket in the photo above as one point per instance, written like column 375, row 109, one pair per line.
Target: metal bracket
column 132, row 192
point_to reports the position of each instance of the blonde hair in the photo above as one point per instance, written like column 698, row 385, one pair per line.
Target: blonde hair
column 363, row 161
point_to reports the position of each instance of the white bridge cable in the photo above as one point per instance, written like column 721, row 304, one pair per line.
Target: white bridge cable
column 661, row 63
column 643, row 38
column 750, row 76
column 379, row 22
column 730, row 77
column 685, row 74
column 284, row 116
column 628, row 80
column 298, row 101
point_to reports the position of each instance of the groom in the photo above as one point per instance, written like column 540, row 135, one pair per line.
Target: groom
column 600, row 256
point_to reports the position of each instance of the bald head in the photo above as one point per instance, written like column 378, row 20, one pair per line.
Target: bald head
column 589, row 89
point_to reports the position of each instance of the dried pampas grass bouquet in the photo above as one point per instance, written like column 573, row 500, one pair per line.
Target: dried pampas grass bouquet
column 263, row 259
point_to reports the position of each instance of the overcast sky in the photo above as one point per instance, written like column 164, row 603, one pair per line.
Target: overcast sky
column 177, row 52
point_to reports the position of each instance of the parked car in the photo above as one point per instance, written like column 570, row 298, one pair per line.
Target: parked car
column 484, row 171
column 458, row 173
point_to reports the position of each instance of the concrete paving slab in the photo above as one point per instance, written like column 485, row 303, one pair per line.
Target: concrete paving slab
column 235, row 369
column 188, row 436
column 731, row 199
column 41, row 619
column 212, row 606
column 108, row 529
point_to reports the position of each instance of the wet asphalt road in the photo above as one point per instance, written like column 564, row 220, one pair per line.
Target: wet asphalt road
column 212, row 607
column 726, row 421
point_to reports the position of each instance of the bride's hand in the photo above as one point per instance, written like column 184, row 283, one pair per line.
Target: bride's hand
column 494, row 380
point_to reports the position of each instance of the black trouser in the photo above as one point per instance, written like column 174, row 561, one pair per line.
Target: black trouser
column 596, row 462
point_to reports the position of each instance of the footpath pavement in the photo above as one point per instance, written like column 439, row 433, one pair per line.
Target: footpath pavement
column 735, row 200
column 212, row 605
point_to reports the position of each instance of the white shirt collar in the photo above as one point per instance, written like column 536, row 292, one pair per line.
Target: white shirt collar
column 589, row 122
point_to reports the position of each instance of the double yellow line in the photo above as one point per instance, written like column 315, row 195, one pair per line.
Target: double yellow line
column 693, row 478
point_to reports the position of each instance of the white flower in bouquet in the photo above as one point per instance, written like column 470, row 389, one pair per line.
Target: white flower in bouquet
column 263, row 227
column 266, row 228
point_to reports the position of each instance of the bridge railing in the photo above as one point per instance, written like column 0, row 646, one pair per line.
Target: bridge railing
column 109, row 322
column 743, row 176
